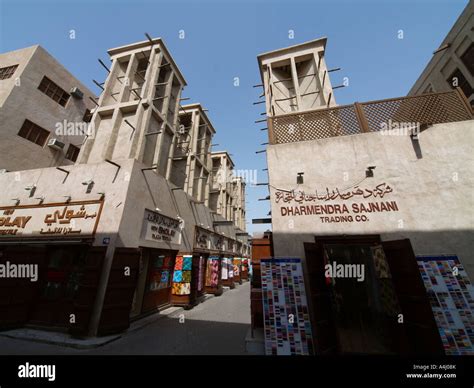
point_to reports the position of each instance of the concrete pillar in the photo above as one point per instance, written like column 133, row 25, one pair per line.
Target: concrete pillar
column 102, row 289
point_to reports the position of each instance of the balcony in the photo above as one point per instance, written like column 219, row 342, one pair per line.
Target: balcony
column 371, row 116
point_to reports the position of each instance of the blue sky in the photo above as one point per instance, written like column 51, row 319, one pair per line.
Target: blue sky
column 222, row 40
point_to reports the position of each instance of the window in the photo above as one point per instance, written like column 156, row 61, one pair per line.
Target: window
column 468, row 59
column 457, row 79
column 33, row 133
column 72, row 153
column 7, row 72
column 53, row 91
column 87, row 116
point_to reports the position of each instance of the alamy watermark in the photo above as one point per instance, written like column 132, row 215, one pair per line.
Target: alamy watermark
column 74, row 128
column 14, row 271
column 346, row 271
column 30, row 371
column 400, row 128
column 248, row 176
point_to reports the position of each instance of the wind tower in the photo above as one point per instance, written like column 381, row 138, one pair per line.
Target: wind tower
column 296, row 79
column 137, row 113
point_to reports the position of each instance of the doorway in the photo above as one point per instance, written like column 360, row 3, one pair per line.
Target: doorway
column 373, row 301
column 159, row 279
column 60, row 284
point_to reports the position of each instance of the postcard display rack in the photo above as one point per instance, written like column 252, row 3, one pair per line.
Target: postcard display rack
column 213, row 280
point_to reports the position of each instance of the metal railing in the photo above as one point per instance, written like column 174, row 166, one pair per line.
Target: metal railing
column 371, row 116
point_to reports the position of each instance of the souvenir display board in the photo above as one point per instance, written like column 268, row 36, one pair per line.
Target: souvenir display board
column 202, row 273
column 213, row 282
column 182, row 275
column 244, row 269
column 227, row 273
column 451, row 296
column 236, row 263
column 287, row 325
column 230, row 267
column 159, row 280
column 225, row 269
column 160, row 271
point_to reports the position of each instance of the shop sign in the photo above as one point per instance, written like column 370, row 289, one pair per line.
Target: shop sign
column 160, row 228
column 337, row 205
column 50, row 220
column 218, row 242
column 230, row 245
column 202, row 239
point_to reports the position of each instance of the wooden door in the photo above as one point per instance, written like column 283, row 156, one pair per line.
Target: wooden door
column 19, row 295
column 419, row 323
column 159, row 279
column 89, row 282
column 121, row 286
column 261, row 248
column 201, row 281
column 63, row 270
column 320, row 301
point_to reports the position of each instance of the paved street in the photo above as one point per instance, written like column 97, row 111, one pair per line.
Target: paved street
column 217, row 326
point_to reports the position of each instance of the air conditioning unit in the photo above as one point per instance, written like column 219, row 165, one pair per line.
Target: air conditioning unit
column 3, row 170
column 76, row 93
column 56, row 144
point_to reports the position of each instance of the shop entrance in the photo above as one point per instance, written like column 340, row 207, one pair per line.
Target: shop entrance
column 159, row 278
column 68, row 276
column 367, row 296
column 63, row 272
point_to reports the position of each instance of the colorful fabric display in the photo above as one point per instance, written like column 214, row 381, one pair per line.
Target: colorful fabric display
column 236, row 264
column 167, row 262
column 178, row 276
column 230, row 267
column 176, row 288
column 181, row 288
column 165, row 275
column 212, row 272
column 283, row 295
column 201, row 273
column 182, row 275
column 451, row 295
column 186, row 277
column 187, row 263
column 179, row 263
column 215, row 273
column 225, row 269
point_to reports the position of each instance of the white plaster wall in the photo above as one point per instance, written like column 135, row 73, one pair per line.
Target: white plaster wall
column 436, row 210
column 28, row 102
column 12, row 58
column 51, row 185
column 147, row 190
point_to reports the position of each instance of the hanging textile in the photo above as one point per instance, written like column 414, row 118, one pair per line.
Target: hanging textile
column 182, row 275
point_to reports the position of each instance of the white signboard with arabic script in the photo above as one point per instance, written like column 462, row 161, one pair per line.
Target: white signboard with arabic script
column 159, row 228
column 46, row 220
column 338, row 205
column 378, row 191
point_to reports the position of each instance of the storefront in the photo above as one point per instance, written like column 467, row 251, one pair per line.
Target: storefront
column 201, row 253
column 237, row 263
column 213, row 283
column 51, row 269
column 244, row 269
column 159, row 279
column 227, row 273
column 385, row 220
column 154, row 288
